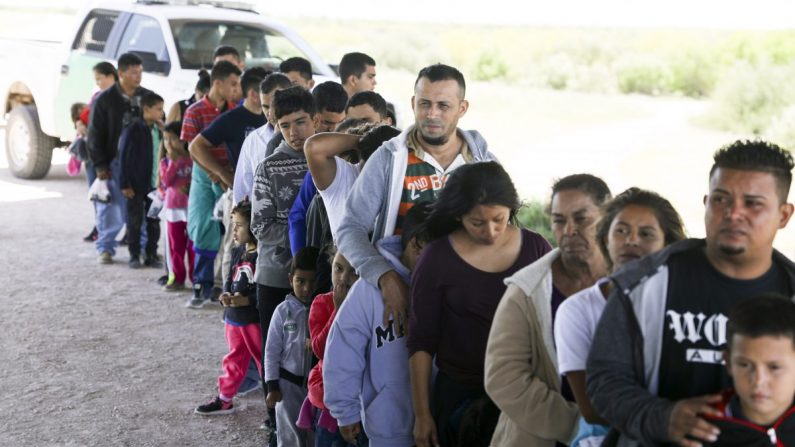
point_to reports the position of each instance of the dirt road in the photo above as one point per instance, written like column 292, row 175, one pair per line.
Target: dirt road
column 97, row 355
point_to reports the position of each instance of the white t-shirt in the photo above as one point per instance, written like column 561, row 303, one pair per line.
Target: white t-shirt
column 575, row 324
column 336, row 194
column 251, row 154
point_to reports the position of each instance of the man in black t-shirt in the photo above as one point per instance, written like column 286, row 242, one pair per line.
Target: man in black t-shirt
column 655, row 363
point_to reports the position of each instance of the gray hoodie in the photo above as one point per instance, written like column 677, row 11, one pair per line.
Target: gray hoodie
column 276, row 183
column 373, row 203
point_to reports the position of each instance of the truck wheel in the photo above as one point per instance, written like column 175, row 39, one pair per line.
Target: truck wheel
column 28, row 149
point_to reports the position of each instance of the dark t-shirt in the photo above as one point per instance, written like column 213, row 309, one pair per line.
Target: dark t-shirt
column 232, row 128
column 696, row 310
column 453, row 305
column 241, row 280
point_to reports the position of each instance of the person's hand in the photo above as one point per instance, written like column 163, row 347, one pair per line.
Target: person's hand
column 225, row 299
column 686, row 421
column 273, row 398
column 396, row 300
column 340, row 292
column 103, row 174
column 351, row 432
column 213, row 177
column 128, row 192
column 425, row 431
column 238, row 300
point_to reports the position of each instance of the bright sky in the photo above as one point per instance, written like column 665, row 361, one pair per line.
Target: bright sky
column 733, row 14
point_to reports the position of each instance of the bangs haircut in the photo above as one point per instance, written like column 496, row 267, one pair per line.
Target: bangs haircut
column 128, row 60
column 299, row 64
column 151, row 99
column 274, row 81
column 222, row 70
column 291, row 100
column 305, row 259
column 769, row 315
column 330, row 97
column 373, row 99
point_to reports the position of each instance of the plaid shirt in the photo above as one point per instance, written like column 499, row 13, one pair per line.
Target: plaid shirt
column 197, row 118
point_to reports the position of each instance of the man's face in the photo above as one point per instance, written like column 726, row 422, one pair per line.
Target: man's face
column 365, row 82
column 230, row 58
column 131, row 77
column 763, row 371
column 266, row 99
column 229, row 88
column 364, row 112
column 743, row 214
column 574, row 216
column 437, row 108
column 253, row 98
column 330, row 120
column 296, row 79
column 297, row 127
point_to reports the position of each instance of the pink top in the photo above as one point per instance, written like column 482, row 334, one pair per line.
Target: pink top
column 175, row 179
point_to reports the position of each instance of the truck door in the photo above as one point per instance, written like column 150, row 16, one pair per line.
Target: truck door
column 143, row 36
column 77, row 78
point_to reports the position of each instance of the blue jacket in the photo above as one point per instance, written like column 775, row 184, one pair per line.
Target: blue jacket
column 366, row 366
column 296, row 220
column 137, row 154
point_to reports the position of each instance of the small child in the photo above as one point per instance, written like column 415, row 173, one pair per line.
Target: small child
column 139, row 146
column 288, row 350
column 241, row 318
column 760, row 358
column 321, row 315
column 366, row 364
column 175, row 172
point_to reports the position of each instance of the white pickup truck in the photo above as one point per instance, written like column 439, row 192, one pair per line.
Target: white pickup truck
column 174, row 41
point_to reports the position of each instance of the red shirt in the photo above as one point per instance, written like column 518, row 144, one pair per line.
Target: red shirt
column 197, row 118
column 321, row 315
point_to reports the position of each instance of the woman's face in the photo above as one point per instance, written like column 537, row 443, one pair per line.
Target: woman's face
column 103, row 81
column 484, row 224
column 634, row 233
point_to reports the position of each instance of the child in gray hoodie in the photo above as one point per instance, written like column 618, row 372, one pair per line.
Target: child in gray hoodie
column 366, row 367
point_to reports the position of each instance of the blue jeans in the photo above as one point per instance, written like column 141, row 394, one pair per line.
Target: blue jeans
column 110, row 217
column 203, row 272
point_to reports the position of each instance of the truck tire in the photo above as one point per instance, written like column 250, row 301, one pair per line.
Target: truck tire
column 28, row 149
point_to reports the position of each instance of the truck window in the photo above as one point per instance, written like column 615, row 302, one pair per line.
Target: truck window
column 196, row 41
column 144, row 37
column 93, row 35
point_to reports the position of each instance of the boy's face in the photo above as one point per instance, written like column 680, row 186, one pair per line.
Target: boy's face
column 763, row 370
column 153, row 114
column 297, row 127
column 343, row 275
column 240, row 229
column 303, row 282
column 296, row 79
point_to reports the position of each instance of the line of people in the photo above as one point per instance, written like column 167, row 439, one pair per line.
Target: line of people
column 379, row 285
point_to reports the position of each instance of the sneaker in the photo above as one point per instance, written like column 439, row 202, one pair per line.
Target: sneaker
column 174, row 287
column 163, row 280
column 153, row 262
column 215, row 407
column 91, row 236
column 105, row 258
column 134, row 263
column 198, row 301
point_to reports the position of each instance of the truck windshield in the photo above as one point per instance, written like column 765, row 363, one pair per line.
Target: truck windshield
column 196, row 41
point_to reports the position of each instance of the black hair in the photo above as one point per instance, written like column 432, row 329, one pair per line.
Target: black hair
column 305, row 259
column 330, row 96
column 291, row 100
column 107, row 69
column 128, row 60
column 243, row 209
column 765, row 315
column 173, row 127
column 374, row 139
column 354, row 64
column 390, row 113
column 299, row 64
column 226, row 50
column 413, row 225
column 484, row 183
column 757, row 155
column 250, row 81
column 222, row 70
column 274, row 81
column 592, row 185
column 149, row 99
column 203, row 84
column 75, row 110
column 348, row 124
column 441, row 72
column 372, row 99
column 669, row 220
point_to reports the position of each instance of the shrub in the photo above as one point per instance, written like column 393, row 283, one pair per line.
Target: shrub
column 490, row 65
column 644, row 74
column 533, row 216
column 782, row 130
column 559, row 71
column 694, row 73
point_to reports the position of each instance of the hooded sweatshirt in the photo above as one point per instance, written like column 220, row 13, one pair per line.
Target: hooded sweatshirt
column 736, row 431
column 285, row 348
column 366, row 367
column 373, row 203
column 276, row 183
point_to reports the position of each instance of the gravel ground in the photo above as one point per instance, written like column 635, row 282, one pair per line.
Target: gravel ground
column 98, row 354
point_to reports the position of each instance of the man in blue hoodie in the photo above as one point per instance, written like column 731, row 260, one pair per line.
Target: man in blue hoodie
column 408, row 169
column 366, row 367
